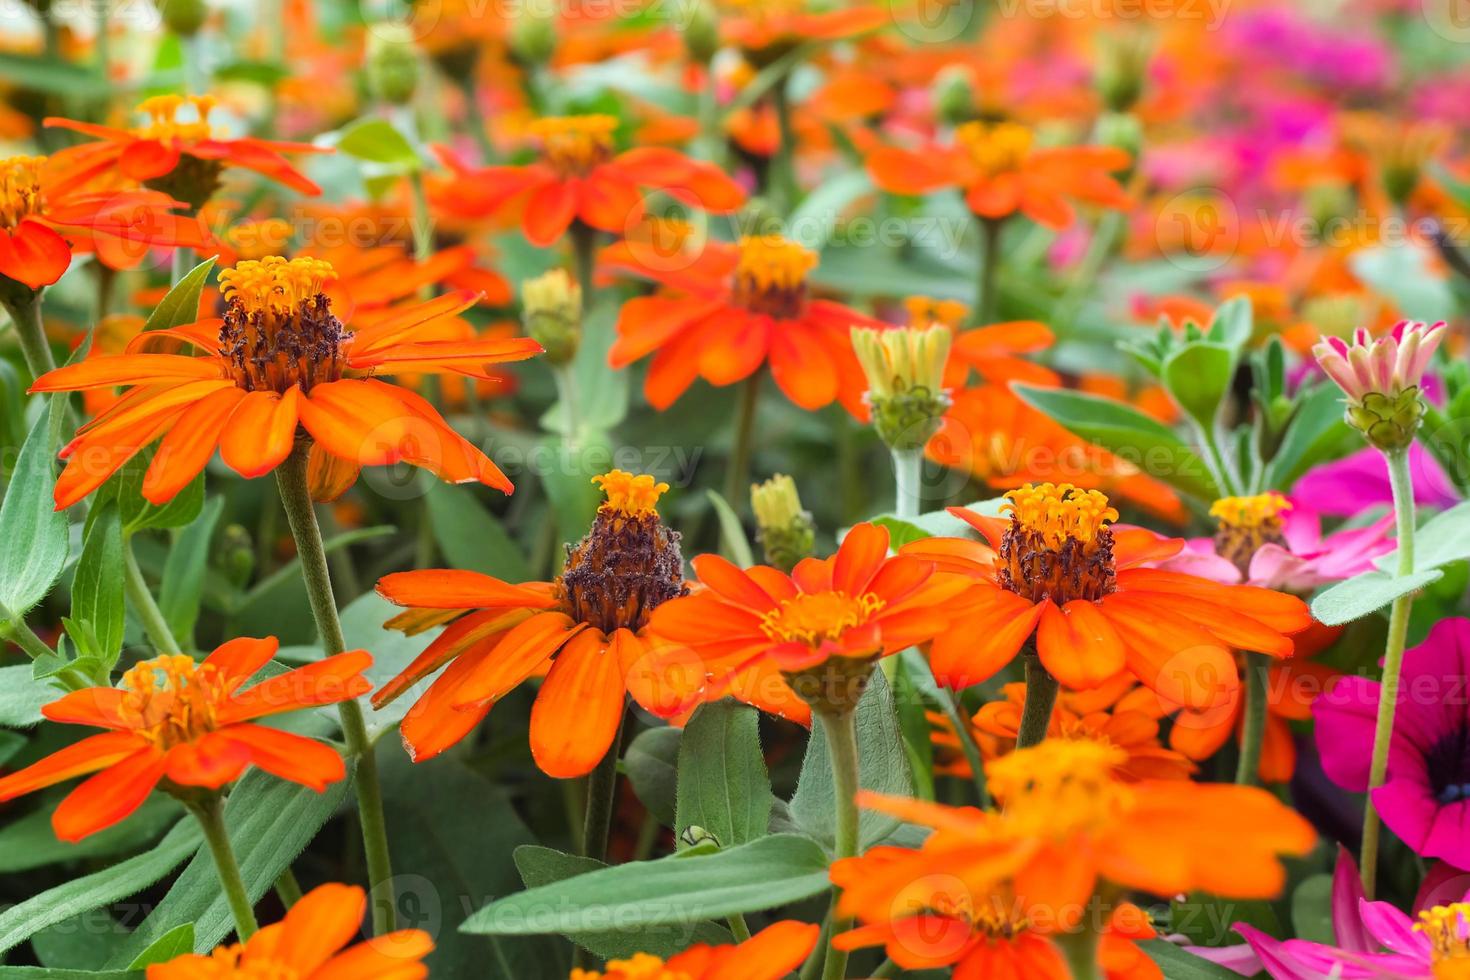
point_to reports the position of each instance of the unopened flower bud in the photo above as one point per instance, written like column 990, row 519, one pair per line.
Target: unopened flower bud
column 905, row 371
column 1382, row 379
column 183, row 17
column 236, row 555
column 1123, row 69
column 954, row 95
column 552, row 313
column 533, row 38
column 702, row 33
column 392, row 63
column 784, row 529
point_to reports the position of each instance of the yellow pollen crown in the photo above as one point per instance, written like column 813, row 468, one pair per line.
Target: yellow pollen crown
column 575, row 141
column 1447, row 927
column 996, row 148
column 255, row 240
column 1059, row 787
column 1059, row 512
column 773, row 263
column 642, row 966
column 170, row 699
column 629, row 495
column 20, row 188
column 1262, row 510
column 923, row 311
column 163, row 112
column 812, row 617
column 275, row 284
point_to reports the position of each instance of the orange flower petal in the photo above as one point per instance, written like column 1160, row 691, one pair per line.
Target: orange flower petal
column 1078, row 645
column 578, row 709
column 323, row 921
column 78, row 759
column 517, row 656
column 336, row 678
column 110, row 796
column 188, row 445
column 288, row 756
column 262, row 432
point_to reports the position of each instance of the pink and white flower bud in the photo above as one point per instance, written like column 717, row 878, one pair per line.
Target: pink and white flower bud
column 1381, row 378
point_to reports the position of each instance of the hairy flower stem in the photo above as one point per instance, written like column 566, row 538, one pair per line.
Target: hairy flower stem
column 602, row 785
column 1041, row 698
column 737, row 473
column 211, row 816
column 1393, row 661
column 908, row 469
column 140, row 597
column 985, row 297
column 296, row 499
column 840, row 730
column 1253, row 724
column 25, row 314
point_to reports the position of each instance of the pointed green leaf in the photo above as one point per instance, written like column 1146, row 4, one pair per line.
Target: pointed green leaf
column 33, row 535
column 181, row 304
column 724, row 789
column 377, row 141
column 97, row 589
column 176, row 942
column 1363, row 594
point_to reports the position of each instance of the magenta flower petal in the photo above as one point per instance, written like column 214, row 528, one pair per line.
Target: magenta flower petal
column 1347, row 894
column 1394, row 930
column 1345, row 715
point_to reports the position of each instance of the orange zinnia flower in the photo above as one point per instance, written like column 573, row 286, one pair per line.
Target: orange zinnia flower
column 728, row 310
column 279, row 362
column 187, row 724
column 1002, row 173
column 580, row 178
column 307, row 945
column 1066, row 578
column 43, row 223
column 939, row 922
column 181, row 157
column 1119, row 713
column 766, row 29
column 754, row 628
column 1067, row 824
column 770, row 954
column 587, row 627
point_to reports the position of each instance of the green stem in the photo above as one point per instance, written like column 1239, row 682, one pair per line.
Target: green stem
column 1253, row 725
column 1393, row 660
column 602, row 786
column 19, row 632
column 211, row 815
column 711, row 138
column 840, row 730
column 1041, row 698
column 908, row 469
column 1104, row 236
column 475, row 119
column 584, row 256
column 145, row 606
column 949, row 702
column 1080, row 948
column 566, row 391
column 985, row 298
column 737, row 473
column 301, row 515
column 887, row 969
column 782, row 175
column 738, row 927
column 25, row 313
column 288, row 889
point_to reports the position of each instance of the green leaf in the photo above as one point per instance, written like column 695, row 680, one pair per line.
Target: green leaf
column 1315, row 431
column 181, row 304
column 1443, row 539
column 112, row 884
column 97, row 589
column 46, row 973
column 764, row 874
column 176, row 942
column 182, row 588
column 377, row 141
column 471, row 537
column 913, row 721
column 1198, row 377
column 723, row 787
column 140, row 515
column 1180, row 964
column 1363, row 594
column 34, row 539
column 29, row 842
column 270, row 822
column 21, row 696
column 1403, row 273
column 52, row 76
column 1311, row 910
column 601, row 392
column 1127, row 433
column 883, row 768
column 1233, row 324
column 267, row 74
column 541, row 866
column 651, row 764
column 935, row 524
column 573, row 495
column 734, row 545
